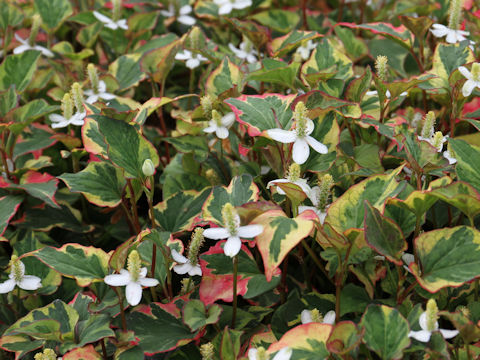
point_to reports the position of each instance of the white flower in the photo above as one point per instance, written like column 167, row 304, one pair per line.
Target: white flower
column 59, row 121
column 114, row 25
column 302, row 183
column 226, row 6
column 449, row 157
column 192, row 60
column 17, row 277
column 283, row 354
column 305, row 49
column 309, row 316
column 453, row 36
column 183, row 17
column 424, row 334
column 26, row 46
column 301, row 140
column 133, row 278
column 219, row 125
column 245, row 51
column 314, row 196
column 184, row 265
column 233, row 231
column 473, row 78
column 387, row 93
column 102, row 93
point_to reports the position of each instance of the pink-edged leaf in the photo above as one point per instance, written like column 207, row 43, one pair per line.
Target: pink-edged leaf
column 9, row 205
column 217, row 279
column 399, row 34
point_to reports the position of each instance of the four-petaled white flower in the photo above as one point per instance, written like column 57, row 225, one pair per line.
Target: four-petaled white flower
column 133, row 278
column 283, row 354
column 192, row 60
column 425, row 334
column 101, row 93
column 184, row 265
column 473, row 78
column 17, row 277
column 305, row 49
column 59, row 121
column 114, row 25
column 314, row 196
column 26, row 46
column 293, row 177
column 453, row 36
column 301, row 139
column 233, row 232
column 183, row 12
column 309, row 316
column 219, row 125
column 245, row 51
column 226, row 6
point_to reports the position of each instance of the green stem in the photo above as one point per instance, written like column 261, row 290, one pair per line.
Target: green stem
column 133, row 204
column 235, row 271
column 122, row 312
column 315, row 259
column 191, row 84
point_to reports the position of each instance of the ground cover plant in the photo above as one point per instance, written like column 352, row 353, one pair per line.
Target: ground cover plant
column 239, row 179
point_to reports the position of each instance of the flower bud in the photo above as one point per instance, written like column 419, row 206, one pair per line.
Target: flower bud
column 187, row 286
column 381, row 67
column 36, row 22
column 67, row 106
column 432, row 315
column 455, row 12
column 148, row 168
column 77, row 95
column 231, row 220
column 207, row 351
column 134, row 265
column 93, row 77
column 212, row 177
column 293, row 173
column 195, row 244
column 428, row 125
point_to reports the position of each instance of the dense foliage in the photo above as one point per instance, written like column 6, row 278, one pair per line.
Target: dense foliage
column 223, row 179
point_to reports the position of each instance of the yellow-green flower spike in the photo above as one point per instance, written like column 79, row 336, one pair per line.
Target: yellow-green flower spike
column 325, row 184
column 36, row 22
column 67, row 106
column 230, row 218
column 217, row 117
column 134, row 265
column 187, row 286
column 381, row 67
column 93, row 77
column 116, row 10
column 16, row 268
column 428, row 125
column 262, row 353
column 195, row 244
column 148, row 168
column 207, row 351
column 432, row 314
column 437, row 140
column 464, row 310
column 207, row 105
column 212, row 177
column 455, row 12
column 293, row 173
column 476, row 71
column 47, row 354
column 316, row 316
column 77, row 95
column 301, row 119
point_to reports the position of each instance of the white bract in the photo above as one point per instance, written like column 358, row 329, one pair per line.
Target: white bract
column 17, row 277
column 133, row 278
column 27, row 46
column 100, row 94
column 309, row 316
column 473, row 78
column 107, row 22
column 300, row 136
column 192, row 61
column 183, row 14
column 427, row 327
column 305, row 49
column 245, row 51
column 59, row 121
column 453, row 36
column 220, row 124
column 184, row 265
column 293, row 177
column 260, row 354
column 449, row 157
column 233, row 232
column 387, row 93
column 226, row 6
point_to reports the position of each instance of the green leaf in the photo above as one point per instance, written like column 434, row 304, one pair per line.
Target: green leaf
column 319, row 103
column 20, row 344
column 227, row 76
column 230, row 344
column 126, row 70
column 461, row 195
column 53, row 12
column 386, row 331
column 384, row 235
column 158, row 62
column 467, row 170
column 155, row 324
column 263, row 112
column 9, row 205
column 276, row 72
column 8, row 100
column 101, row 183
column 359, row 86
column 96, row 327
column 281, row 46
column 446, row 59
column 282, row 21
column 196, row 316
column 401, row 35
column 178, row 212
column 18, row 70
column 448, row 257
column 84, row 264
column 10, row 15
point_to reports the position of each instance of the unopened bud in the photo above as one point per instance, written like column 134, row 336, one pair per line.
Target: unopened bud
column 67, row 106
column 455, row 12
column 428, row 125
column 148, row 168
column 212, row 177
column 187, row 286
column 381, row 67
